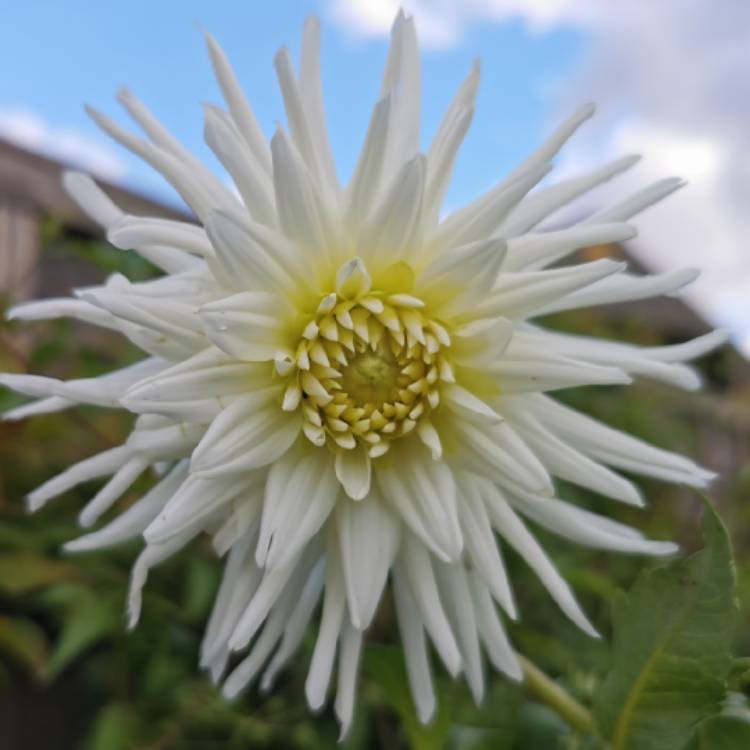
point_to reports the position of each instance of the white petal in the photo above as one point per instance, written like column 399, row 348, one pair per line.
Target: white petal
column 334, row 604
column 351, row 648
column 467, row 405
column 353, row 471
column 481, row 342
column 518, row 372
column 365, row 186
column 613, row 447
column 48, row 405
column 524, row 294
column 623, row 287
column 482, row 545
column 530, row 252
column 267, row 594
column 197, row 388
column 567, row 463
column 632, row 359
column 692, row 349
column 546, row 152
column 296, row 625
column 430, row 437
column 166, row 141
column 52, row 309
column 402, row 80
column 248, row 255
column 240, row 581
column 91, row 198
column 238, row 105
column 517, row 535
column 187, row 183
column 105, row 390
column 492, row 631
column 250, row 325
column 300, row 494
column 250, row 433
column 163, row 319
column 297, row 118
column 163, row 441
column 392, row 230
column 583, row 527
column 152, row 555
column 301, row 215
column 129, row 232
column 414, row 565
column 250, row 666
column 481, row 218
column 425, row 497
column 460, row 276
column 415, row 651
column 199, row 498
column 352, row 279
column 99, row 465
column 311, row 91
column 454, row 590
column 440, row 163
column 132, row 522
column 368, row 538
column 120, row 482
column 252, row 181
column 546, row 201
column 639, row 201
column 497, row 452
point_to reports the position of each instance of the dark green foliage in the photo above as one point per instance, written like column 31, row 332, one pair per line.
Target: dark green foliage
column 672, row 639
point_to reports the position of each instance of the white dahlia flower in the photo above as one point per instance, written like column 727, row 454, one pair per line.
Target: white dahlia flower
column 345, row 388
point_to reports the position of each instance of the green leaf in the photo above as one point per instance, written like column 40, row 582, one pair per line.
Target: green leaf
column 88, row 617
column 385, row 667
column 24, row 640
column 201, row 581
column 21, row 573
column 113, row 729
column 494, row 725
column 724, row 732
column 672, row 634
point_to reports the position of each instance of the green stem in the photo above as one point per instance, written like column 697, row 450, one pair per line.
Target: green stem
column 546, row 690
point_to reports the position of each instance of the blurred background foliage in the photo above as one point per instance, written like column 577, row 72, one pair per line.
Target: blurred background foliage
column 72, row 677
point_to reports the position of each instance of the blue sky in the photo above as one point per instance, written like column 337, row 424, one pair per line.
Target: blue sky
column 672, row 81
column 159, row 53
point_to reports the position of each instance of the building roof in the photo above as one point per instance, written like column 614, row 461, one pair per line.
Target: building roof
column 33, row 182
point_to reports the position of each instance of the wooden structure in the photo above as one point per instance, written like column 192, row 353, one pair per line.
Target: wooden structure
column 31, row 191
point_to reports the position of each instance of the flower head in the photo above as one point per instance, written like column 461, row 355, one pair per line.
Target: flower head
column 346, row 386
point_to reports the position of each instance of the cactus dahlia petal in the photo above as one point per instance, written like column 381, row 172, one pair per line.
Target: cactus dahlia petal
column 348, row 389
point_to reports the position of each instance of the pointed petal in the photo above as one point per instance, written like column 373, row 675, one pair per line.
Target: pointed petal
column 249, row 326
column 368, row 538
column 353, row 471
column 425, row 498
column 415, row 651
column 300, row 495
column 517, row 535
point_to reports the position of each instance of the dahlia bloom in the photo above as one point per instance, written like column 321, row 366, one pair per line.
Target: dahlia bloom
column 347, row 390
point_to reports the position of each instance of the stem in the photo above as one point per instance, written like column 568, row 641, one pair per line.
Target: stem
column 549, row 692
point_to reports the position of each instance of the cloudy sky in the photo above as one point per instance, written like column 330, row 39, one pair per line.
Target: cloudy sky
column 671, row 80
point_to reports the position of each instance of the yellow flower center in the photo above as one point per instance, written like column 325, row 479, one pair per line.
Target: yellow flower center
column 372, row 377
column 368, row 370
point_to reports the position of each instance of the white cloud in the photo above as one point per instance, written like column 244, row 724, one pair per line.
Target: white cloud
column 442, row 23
column 29, row 130
column 672, row 81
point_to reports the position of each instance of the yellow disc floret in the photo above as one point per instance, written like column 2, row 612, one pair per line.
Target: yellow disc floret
column 369, row 368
